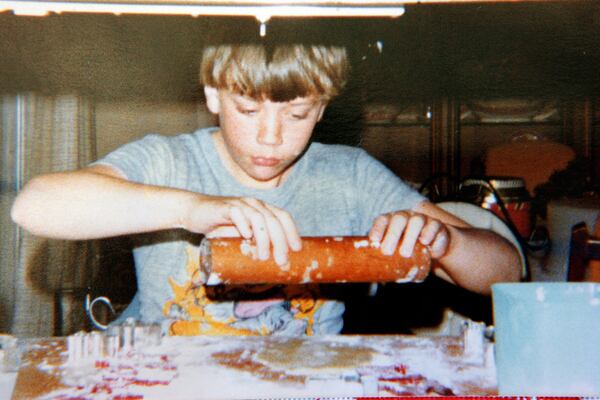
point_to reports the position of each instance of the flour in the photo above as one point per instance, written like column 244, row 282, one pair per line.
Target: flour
column 306, row 276
column 361, row 243
column 214, row 279
column 182, row 368
column 410, row 275
column 248, row 249
column 365, row 243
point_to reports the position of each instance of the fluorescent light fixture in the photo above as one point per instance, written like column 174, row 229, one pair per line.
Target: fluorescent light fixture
column 263, row 11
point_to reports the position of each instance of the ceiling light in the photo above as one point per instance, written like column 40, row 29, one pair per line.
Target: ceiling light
column 263, row 11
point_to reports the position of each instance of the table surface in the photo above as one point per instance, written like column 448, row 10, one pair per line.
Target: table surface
column 264, row 367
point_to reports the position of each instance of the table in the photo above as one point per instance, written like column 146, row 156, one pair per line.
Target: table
column 262, row 367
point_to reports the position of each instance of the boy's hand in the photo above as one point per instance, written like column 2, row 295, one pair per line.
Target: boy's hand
column 249, row 218
column 404, row 228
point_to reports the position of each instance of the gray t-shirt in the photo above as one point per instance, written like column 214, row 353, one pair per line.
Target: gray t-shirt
column 331, row 190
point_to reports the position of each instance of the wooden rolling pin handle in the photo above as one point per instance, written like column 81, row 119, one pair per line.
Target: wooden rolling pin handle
column 321, row 260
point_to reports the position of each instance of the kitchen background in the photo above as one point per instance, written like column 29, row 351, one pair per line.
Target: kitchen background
column 431, row 92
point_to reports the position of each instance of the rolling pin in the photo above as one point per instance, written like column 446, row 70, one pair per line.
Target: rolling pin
column 322, row 260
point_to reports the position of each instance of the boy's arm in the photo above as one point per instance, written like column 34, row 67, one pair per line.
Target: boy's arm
column 98, row 201
column 470, row 257
column 95, row 202
column 476, row 258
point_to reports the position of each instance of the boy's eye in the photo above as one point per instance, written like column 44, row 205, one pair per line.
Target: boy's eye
column 299, row 113
column 247, row 111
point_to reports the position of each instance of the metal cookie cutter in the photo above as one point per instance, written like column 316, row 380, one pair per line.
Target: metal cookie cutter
column 89, row 309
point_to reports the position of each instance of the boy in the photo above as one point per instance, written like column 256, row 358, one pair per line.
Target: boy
column 257, row 175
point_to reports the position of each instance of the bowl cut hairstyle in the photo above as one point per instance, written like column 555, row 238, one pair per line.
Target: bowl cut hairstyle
column 280, row 73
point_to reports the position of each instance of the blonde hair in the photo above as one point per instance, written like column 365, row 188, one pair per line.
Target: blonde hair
column 279, row 74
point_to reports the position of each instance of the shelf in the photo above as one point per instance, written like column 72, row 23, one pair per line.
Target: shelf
column 397, row 124
column 470, row 123
column 511, row 123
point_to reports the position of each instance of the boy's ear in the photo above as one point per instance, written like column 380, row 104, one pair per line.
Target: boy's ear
column 322, row 110
column 212, row 99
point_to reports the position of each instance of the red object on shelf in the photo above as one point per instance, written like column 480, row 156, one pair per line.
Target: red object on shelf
column 519, row 213
column 491, row 192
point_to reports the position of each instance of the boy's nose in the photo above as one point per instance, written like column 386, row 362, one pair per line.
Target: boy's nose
column 270, row 130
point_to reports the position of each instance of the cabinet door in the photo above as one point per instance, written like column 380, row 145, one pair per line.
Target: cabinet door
column 402, row 148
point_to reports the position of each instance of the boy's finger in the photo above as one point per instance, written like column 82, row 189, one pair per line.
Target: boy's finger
column 394, row 232
column 259, row 230
column 278, row 239
column 440, row 245
column 259, row 215
column 261, row 235
column 277, row 234
column 411, row 234
column 378, row 229
column 241, row 222
column 429, row 232
column 289, row 228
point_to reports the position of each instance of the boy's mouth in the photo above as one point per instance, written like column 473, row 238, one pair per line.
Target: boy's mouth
column 265, row 161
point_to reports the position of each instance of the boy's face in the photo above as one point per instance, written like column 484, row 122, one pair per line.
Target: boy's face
column 262, row 139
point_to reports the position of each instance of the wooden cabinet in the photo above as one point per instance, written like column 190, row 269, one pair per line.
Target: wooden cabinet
column 451, row 138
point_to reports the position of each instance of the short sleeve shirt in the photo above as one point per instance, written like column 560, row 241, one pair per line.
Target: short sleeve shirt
column 331, row 190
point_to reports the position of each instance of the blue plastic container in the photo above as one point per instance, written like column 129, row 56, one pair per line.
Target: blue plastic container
column 547, row 338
